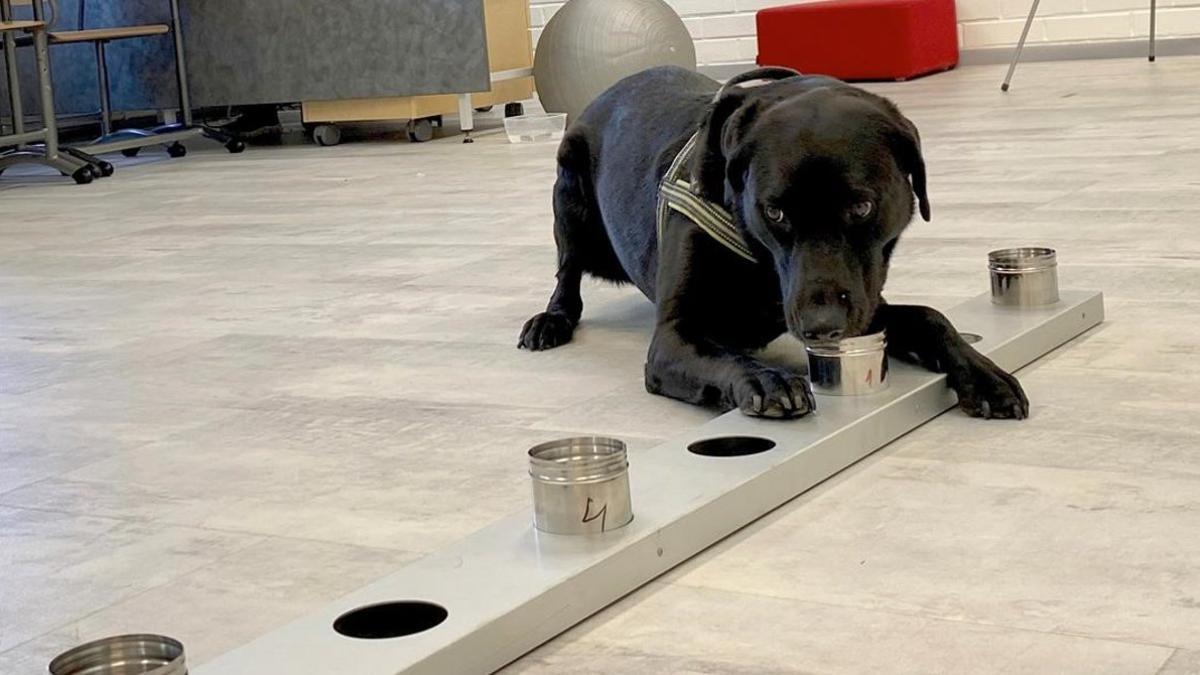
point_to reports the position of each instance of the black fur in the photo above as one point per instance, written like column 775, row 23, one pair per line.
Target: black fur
column 808, row 151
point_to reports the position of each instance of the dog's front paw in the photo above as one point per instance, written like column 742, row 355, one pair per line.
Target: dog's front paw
column 546, row 331
column 985, row 390
column 773, row 392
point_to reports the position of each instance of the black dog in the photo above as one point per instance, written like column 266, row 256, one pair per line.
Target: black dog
column 818, row 177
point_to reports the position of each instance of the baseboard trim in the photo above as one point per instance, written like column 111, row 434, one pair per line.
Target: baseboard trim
column 1075, row 51
column 1071, row 51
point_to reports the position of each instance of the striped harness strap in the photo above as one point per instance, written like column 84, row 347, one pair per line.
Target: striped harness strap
column 675, row 194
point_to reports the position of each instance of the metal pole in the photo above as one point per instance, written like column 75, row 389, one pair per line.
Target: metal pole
column 185, row 100
column 14, row 75
column 47, row 92
column 466, row 117
column 1153, row 11
column 105, row 100
column 1020, row 45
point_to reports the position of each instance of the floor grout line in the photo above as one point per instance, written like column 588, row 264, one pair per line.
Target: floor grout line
column 199, row 528
column 1167, row 661
column 934, row 618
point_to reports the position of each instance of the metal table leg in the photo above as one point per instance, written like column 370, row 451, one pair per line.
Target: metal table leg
column 185, row 99
column 1153, row 11
column 1020, row 45
column 10, row 62
column 68, row 166
column 48, row 154
column 466, row 117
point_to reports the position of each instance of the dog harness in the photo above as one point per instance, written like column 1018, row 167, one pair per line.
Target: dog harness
column 675, row 193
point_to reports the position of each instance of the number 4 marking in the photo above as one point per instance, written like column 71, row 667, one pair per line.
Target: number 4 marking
column 602, row 514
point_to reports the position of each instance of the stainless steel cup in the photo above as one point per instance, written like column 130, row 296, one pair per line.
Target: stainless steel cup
column 1024, row 276
column 580, row 485
column 850, row 367
column 123, row 655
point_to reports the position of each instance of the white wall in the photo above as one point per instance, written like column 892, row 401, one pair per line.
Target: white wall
column 724, row 29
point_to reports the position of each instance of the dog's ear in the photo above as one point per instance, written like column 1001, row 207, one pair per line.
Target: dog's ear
column 722, row 132
column 906, row 147
column 730, row 115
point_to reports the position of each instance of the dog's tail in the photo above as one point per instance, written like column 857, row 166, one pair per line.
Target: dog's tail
column 575, row 172
column 575, row 157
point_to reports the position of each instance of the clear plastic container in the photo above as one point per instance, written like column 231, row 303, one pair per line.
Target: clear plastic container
column 537, row 128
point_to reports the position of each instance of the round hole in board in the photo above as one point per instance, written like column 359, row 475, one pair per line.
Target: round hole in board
column 390, row 620
column 971, row 338
column 731, row 446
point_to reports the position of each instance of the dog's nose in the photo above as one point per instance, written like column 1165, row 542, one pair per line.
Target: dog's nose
column 823, row 323
column 828, row 336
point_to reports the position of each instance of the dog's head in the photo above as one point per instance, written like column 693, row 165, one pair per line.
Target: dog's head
column 821, row 178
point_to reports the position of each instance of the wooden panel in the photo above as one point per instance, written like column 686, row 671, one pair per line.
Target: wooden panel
column 505, row 92
column 360, row 109
column 106, row 34
column 20, row 25
column 509, row 42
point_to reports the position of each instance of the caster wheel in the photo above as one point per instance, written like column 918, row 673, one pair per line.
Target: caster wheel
column 420, row 131
column 235, row 147
column 176, row 150
column 514, row 109
column 484, row 109
column 131, row 152
column 83, row 175
column 327, row 134
column 104, row 168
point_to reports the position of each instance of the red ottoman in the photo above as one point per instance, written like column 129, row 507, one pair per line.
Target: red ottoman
column 861, row 39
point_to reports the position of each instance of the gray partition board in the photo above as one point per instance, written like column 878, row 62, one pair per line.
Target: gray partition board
column 282, row 51
column 508, row 588
column 269, row 51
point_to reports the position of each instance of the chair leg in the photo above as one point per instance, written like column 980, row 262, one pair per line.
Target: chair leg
column 14, row 94
column 105, row 97
column 1020, row 45
column 46, row 93
column 181, row 79
column 68, row 166
column 100, row 167
column 1153, row 11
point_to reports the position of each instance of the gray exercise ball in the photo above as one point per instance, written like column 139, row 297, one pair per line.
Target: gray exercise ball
column 589, row 45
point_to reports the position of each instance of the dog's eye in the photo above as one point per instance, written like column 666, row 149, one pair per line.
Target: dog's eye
column 862, row 210
column 774, row 215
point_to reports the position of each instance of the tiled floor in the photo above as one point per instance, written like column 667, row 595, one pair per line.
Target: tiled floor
column 234, row 388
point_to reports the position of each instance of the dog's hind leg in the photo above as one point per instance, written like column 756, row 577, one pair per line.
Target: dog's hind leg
column 573, row 212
